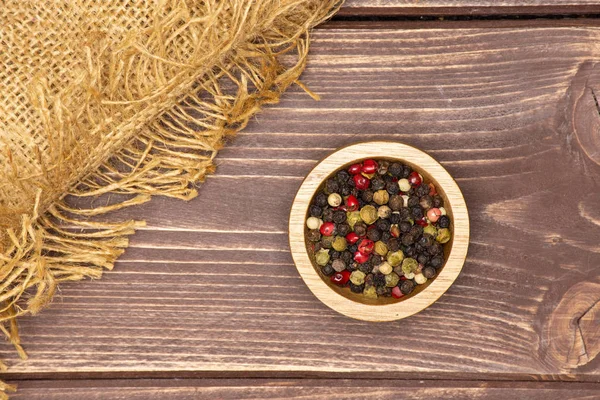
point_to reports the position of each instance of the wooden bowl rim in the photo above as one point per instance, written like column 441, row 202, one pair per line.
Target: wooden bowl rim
column 374, row 312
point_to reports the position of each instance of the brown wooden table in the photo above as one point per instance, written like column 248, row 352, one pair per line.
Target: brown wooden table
column 503, row 93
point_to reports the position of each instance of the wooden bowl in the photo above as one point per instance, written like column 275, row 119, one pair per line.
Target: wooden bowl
column 355, row 305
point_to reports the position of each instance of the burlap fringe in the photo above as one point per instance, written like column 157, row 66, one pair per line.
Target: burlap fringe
column 169, row 156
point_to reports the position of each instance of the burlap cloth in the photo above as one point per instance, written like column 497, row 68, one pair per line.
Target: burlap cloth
column 132, row 97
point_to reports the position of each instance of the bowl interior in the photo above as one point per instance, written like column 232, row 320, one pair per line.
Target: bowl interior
column 358, row 297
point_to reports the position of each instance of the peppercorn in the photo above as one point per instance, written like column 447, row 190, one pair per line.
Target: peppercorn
column 377, row 183
column 346, row 256
column 315, row 211
column 327, row 215
column 392, row 279
column 343, row 229
column 385, row 236
column 352, row 203
column 365, row 268
column 361, row 258
column 331, row 186
column 356, row 288
column 322, row 257
column 327, row 241
column 353, row 248
column 339, row 244
column 435, row 249
column 361, row 182
column 436, row 261
column 420, row 279
column 339, row 216
column 334, row 199
column 413, row 201
column 443, row 222
column 430, row 230
column 327, row 270
column 410, row 251
column 428, row 272
column 416, row 212
column 396, row 169
column 384, row 212
column 381, row 248
column 426, row 240
column 404, row 226
column 366, row 246
column 373, row 234
column 383, row 167
column 327, row 229
column 316, row 247
column 357, row 277
column 415, row 179
column 370, row 292
column 395, row 231
column 396, row 293
column 367, row 196
column 394, row 219
column 352, row 218
column 381, row 197
column 404, row 214
column 345, row 190
column 404, row 185
column 383, row 291
column 339, row 265
column 443, row 235
column 378, row 279
column 396, row 202
column 342, row 176
column 406, row 287
column 395, row 258
column 426, row 202
column 368, row 214
column 313, row 223
column 360, row 229
column 422, row 190
column 383, row 225
column 407, row 239
column 321, row 199
column 422, row 258
column 393, row 245
column 416, row 230
column 434, row 214
column 385, row 268
column 313, row 235
column 438, row 201
column 392, row 187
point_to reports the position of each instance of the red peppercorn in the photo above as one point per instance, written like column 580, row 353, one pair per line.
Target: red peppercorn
column 327, row 228
column 396, row 293
column 361, row 182
column 433, row 190
column 366, row 246
column 341, row 278
column 352, row 237
column 422, row 222
column 352, row 203
column 415, row 179
column 355, row 169
column 360, row 257
column 370, row 166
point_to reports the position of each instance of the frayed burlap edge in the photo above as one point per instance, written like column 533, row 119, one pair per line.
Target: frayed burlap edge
column 166, row 157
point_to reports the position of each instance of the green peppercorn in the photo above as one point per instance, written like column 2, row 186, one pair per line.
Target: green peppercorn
column 385, row 268
column 406, row 287
column 313, row 235
column 368, row 214
column 357, row 277
column 327, row 241
column 428, row 272
column 353, row 217
column 384, row 212
column 443, row 235
column 360, row 229
column 339, row 243
column 322, row 257
column 396, row 202
column 370, row 292
column 395, row 258
column 392, row 279
column 381, row 197
column 430, row 230
column 409, row 265
column 381, row 248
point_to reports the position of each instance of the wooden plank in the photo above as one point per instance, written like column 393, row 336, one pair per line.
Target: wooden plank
column 225, row 389
column 209, row 288
column 354, row 8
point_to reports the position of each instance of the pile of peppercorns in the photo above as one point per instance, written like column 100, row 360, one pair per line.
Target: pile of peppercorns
column 378, row 228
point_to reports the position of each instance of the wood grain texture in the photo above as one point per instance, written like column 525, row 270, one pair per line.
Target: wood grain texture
column 227, row 389
column 468, row 7
column 380, row 309
column 209, row 286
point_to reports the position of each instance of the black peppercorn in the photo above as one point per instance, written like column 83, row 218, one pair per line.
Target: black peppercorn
column 317, row 247
column 365, row 267
column 435, row 249
column 438, row 201
column 404, row 214
column 426, row 202
column 383, row 225
column 393, row 245
column 343, row 176
column 343, row 229
column 331, row 186
column 396, row 202
column 327, row 242
column 374, row 234
column 406, row 287
column 422, row 259
column 346, row 256
column 334, row 255
column 413, row 201
column 408, row 239
column 352, row 266
column 357, row 288
column 419, row 248
column 378, row 279
column 443, row 222
column 315, row 211
column 396, row 169
column 367, row 196
column 426, row 240
column 328, row 215
column 422, row 190
column 392, row 187
column 345, row 190
column 377, row 183
column 436, row 261
column 327, row 270
column 376, row 259
column 406, row 172
column 395, row 219
column 385, row 236
column 428, row 272
column 321, row 199
column 360, row 228
column 382, row 169
column 353, row 248
column 410, row 251
column 404, row 226
column 417, row 212
column 313, row 235
column 339, row 217
column 416, row 230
